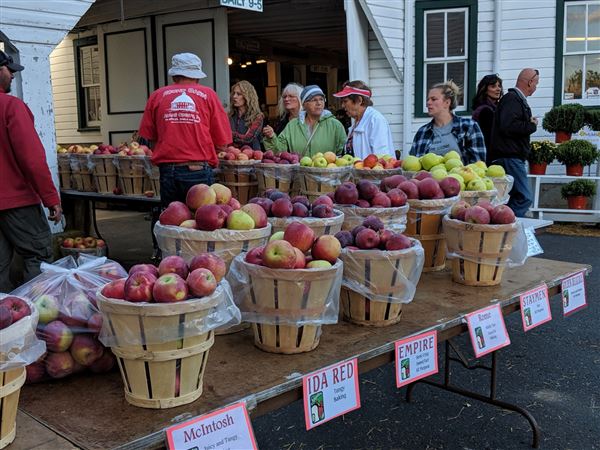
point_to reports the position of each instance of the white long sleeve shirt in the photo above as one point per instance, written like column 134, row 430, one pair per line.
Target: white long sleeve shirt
column 371, row 135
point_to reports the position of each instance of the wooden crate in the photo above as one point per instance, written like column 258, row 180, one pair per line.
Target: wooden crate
column 393, row 219
column 472, row 197
column 276, row 176
column 11, row 382
column 384, row 274
column 481, row 251
column 424, row 222
column 317, row 181
column 75, row 252
column 277, row 294
column 187, row 243
column 240, row 177
column 132, row 174
column 64, row 171
column 82, row 172
column 321, row 226
column 159, row 374
column 105, row 173
column 374, row 176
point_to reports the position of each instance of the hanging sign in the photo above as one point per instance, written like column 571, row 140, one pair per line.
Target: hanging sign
column 535, row 307
column 228, row 428
column 330, row 392
column 573, row 293
column 416, row 358
column 252, row 5
column 487, row 330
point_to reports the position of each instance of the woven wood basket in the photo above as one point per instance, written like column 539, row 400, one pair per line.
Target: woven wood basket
column 316, row 181
column 476, row 247
column 240, row 177
column 11, row 382
column 82, row 175
column 375, row 176
column 472, row 197
column 187, row 243
column 385, row 274
column 425, row 224
column 321, row 226
column 132, row 174
column 105, row 173
column 64, row 171
column 274, row 292
column 276, row 176
column 161, row 375
column 393, row 219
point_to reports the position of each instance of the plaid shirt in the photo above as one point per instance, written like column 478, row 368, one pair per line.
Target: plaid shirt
column 467, row 133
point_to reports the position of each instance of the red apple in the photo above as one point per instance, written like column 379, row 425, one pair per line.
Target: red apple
column 209, row 261
column 389, row 183
column 381, row 200
column 174, row 214
column 57, row 335
column 279, row 255
column 105, row 363
column 94, row 323
column 59, row 365
column 201, row 282
column 115, row 289
column 363, row 203
column 322, row 211
column 200, row 195
column 89, row 242
column 169, row 288
column 502, row 214
column 36, row 372
column 17, row 306
column 68, row 243
column 450, row 186
column 222, row 192
column 257, row 213
column 459, row 210
column 144, row 268
column 345, row 237
column 264, row 203
column 422, row 175
column 276, row 195
column 234, row 203
column 373, row 222
column 228, row 209
column 326, row 247
column 384, row 236
column 398, row 242
column 477, row 214
column 367, row 239
column 5, row 317
column 410, row 189
column 301, row 199
column 282, row 207
column 210, row 217
column 138, row 287
column 86, row 349
column 370, row 161
column 346, row 194
column 487, row 205
column 366, row 189
column 300, row 259
column 300, row 210
column 299, row 235
column 429, row 188
column 397, row 197
column 255, row 256
column 173, row 264
column 323, row 200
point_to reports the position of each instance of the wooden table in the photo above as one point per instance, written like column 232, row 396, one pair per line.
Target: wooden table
column 91, row 411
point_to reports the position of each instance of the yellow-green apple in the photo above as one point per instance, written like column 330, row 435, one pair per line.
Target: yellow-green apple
column 477, row 214
column 323, row 200
column 411, row 164
column 502, row 214
column 279, row 255
column 398, row 241
column 209, row 261
column 240, row 220
column 200, row 195
column 282, row 207
column 255, row 255
column 222, row 193
column 450, row 186
column 174, row 214
column 78, row 241
column 189, row 223
column 306, row 161
column 453, row 154
column 105, row 363
column 138, row 287
column 234, row 203
column 452, row 163
column 210, row 217
column 59, row 365
column 318, row 264
column 58, row 336
column 173, row 264
column 18, row 307
column 430, row 159
column 367, row 239
column 86, row 349
column 489, row 183
column 68, row 243
column 36, row 372
column 459, row 209
column 299, row 235
column 169, row 288
column 320, row 162
column 346, row 193
column 94, row 323
column 201, row 282
column 47, row 306
column 300, row 259
column 277, row 236
column 257, row 213
column 115, row 289
column 397, row 197
column 495, row 171
column 439, row 174
column 5, row 317
column 476, row 185
column 326, row 247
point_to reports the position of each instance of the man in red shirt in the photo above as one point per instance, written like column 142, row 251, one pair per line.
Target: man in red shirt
column 187, row 125
column 25, row 182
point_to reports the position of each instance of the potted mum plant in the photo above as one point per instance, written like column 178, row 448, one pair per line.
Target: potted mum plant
column 577, row 192
column 564, row 120
column 542, row 153
column 576, row 154
column 592, row 119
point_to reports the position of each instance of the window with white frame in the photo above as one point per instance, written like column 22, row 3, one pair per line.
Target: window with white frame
column 581, row 53
column 446, row 50
column 88, row 58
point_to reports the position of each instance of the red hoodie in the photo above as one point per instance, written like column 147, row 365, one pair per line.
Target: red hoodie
column 24, row 174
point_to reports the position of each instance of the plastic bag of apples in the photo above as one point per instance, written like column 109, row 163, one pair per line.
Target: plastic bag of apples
column 64, row 295
column 19, row 345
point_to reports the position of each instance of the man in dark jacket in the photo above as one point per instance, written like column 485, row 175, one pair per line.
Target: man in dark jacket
column 513, row 125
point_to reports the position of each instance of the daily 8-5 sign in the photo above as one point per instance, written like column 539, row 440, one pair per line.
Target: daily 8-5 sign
column 252, row 5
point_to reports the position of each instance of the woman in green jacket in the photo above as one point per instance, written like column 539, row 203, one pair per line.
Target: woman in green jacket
column 314, row 131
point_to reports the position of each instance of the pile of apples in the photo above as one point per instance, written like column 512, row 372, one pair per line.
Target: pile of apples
column 473, row 177
column 483, row 212
column 376, row 162
column 372, row 235
column 172, row 281
column 422, row 186
column 244, row 153
column 210, row 208
column 366, row 194
column 327, row 159
column 106, row 149
column 76, row 148
column 83, row 243
column 280, row 158
column 133, row 149
column 288, row 249
column 279, row 204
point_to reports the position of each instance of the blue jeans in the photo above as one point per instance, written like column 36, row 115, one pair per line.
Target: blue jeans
column 176, row 180
column 520, row 194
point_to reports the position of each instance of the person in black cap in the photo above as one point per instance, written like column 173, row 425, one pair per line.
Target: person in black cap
column 25, row 182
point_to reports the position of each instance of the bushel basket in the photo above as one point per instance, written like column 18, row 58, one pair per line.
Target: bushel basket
column 321, row 226
column 472, row 197
column 11, row 382
column 275, row 176
column 105, row 173
column 317, row 181
column 375, row 175
column 82, row 173
column 240, row 177
column 393, row 218
column 64, row 171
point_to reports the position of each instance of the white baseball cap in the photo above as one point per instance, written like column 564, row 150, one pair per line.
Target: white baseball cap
column 187, row 65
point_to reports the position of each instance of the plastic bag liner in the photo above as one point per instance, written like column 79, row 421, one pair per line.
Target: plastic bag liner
column 503, row 185
column 286, row 296
column 321, row 226
column 19, row 345
column 384, row 276
column 227, row 244
column 374, row 175
column 393, row 218
column 80, row 161
column 127, row 323
column 437, row 207
column 326, row 175
column 242, row 166
column 283, row 172
column 493, row 245
column 472, row 197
